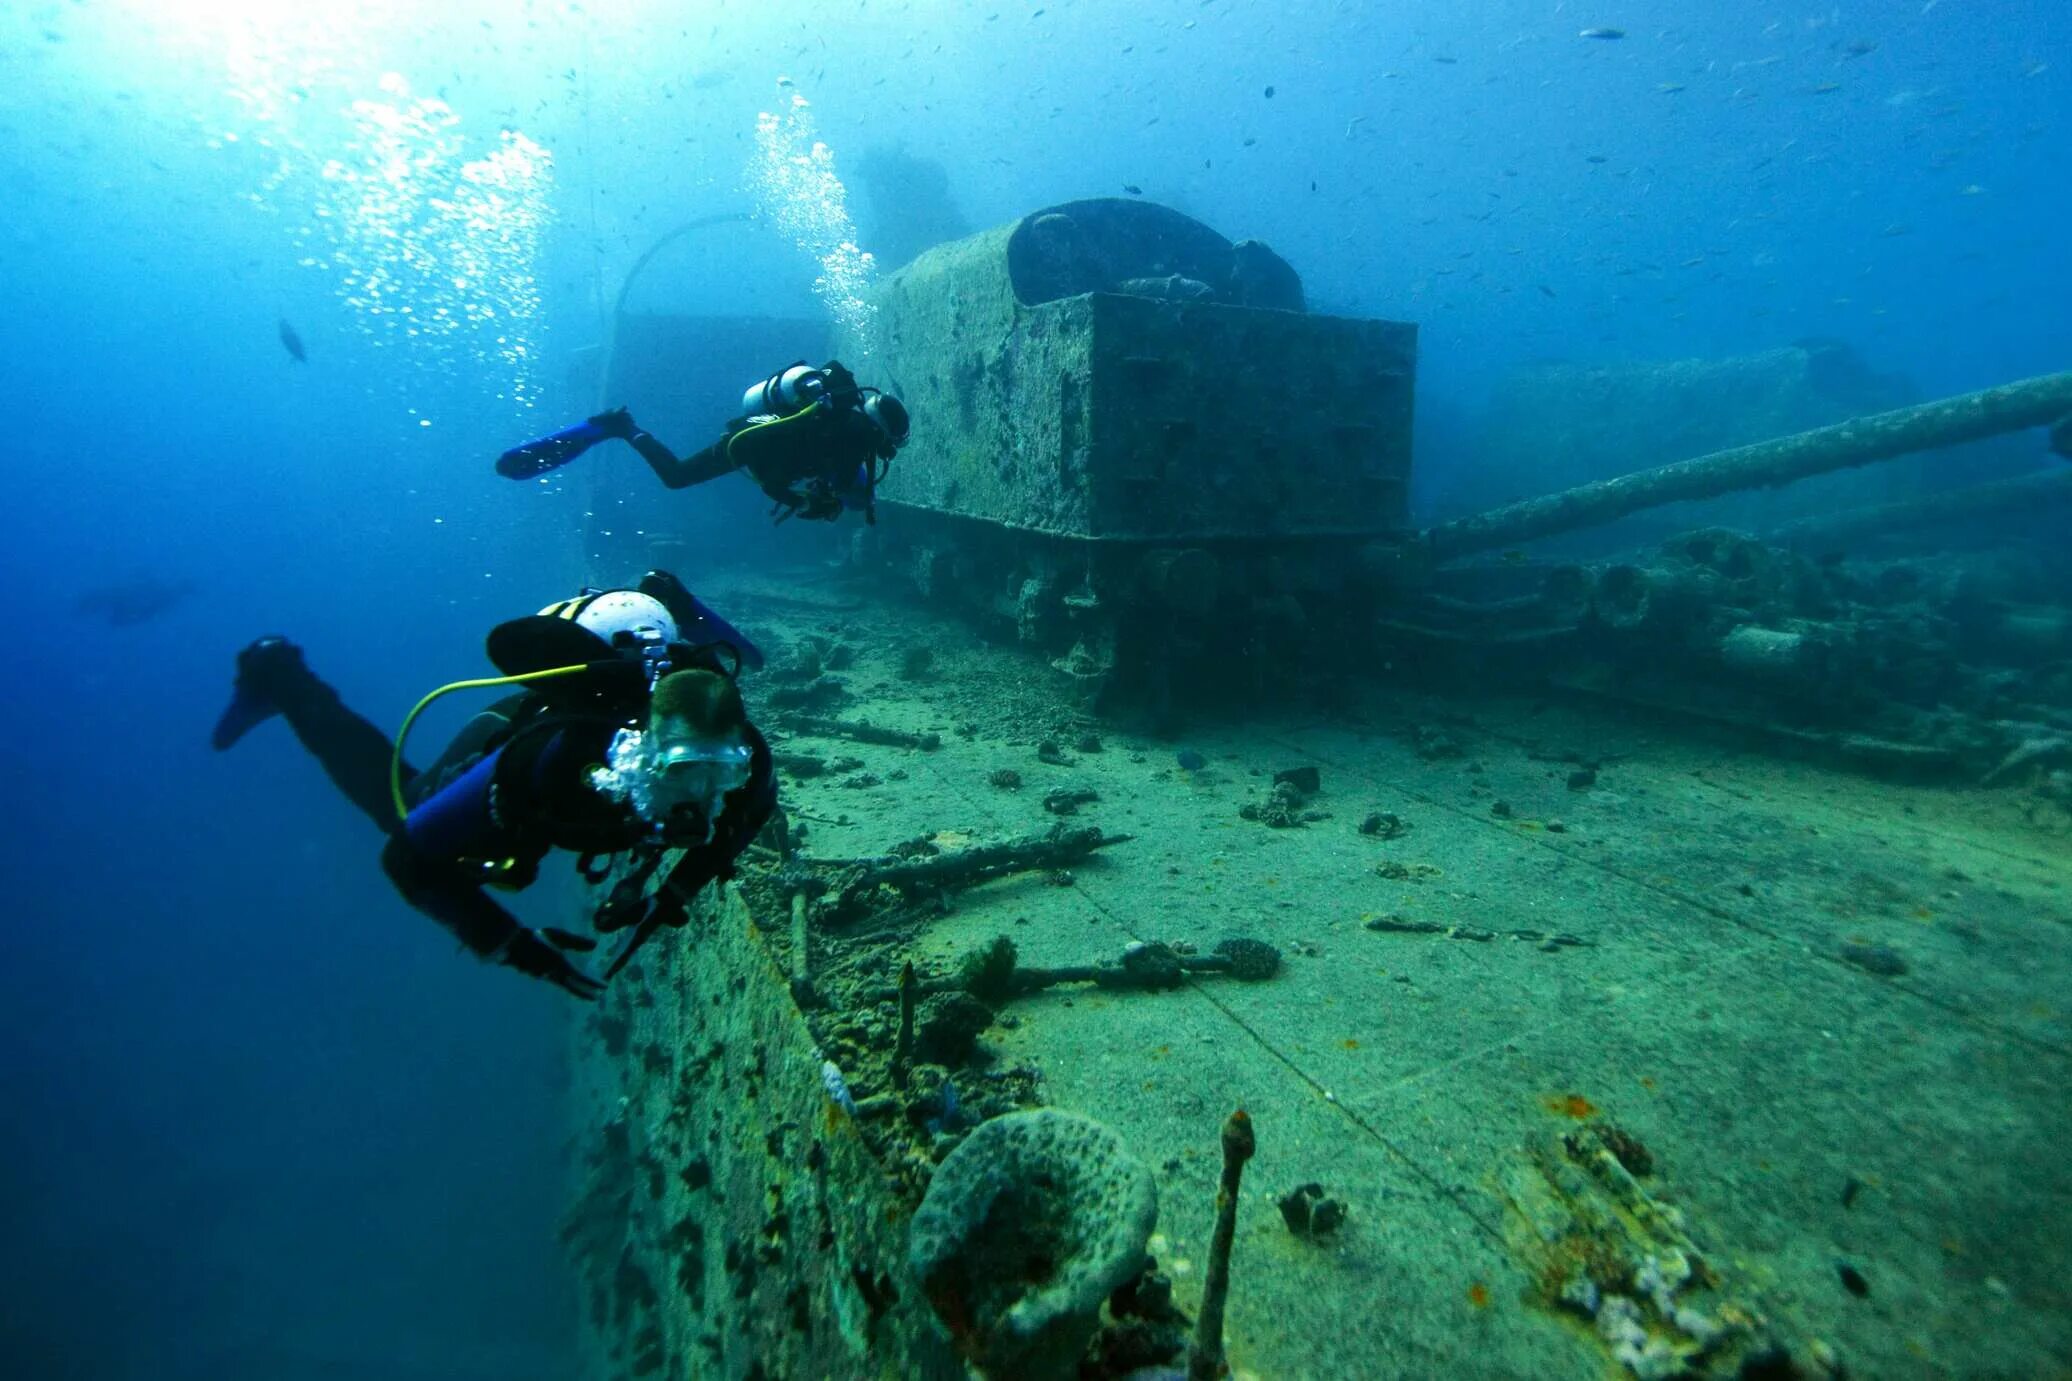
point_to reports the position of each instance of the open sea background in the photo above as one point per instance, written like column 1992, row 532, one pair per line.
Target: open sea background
column 261, row 1121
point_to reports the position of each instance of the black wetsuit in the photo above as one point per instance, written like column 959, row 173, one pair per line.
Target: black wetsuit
column 804, row 463
column 808, row 463
column 543, row 802
column 816, row 462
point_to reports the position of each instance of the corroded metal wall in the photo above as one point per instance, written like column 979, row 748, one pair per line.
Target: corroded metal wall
column 729, row 1221
column 1114, row 416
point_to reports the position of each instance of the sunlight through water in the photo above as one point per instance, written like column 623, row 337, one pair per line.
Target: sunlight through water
column 431, row 235
column 792, row 176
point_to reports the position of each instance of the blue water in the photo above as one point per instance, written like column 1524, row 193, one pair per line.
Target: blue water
column 262, row 1121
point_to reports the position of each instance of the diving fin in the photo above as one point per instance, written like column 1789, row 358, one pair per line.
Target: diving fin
column 269, row 661
column 246, row 712
column 696, row 621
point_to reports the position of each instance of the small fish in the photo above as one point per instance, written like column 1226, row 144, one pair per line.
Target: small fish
column 1515, row 557
column 1269, row 93
column 1670, row 88
column 1862, row 47
column 1826, row 89
column 1133, row 189
column 1546, row 291
column 1189, row 760
column 292, row 343
column 1602, row 33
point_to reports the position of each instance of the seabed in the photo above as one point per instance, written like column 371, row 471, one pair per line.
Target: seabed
column 1821, row 1019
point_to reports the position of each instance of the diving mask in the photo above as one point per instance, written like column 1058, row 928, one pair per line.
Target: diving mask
column 675, row 783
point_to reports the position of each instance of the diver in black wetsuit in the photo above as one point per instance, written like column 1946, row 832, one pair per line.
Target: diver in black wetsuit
column 814, row 440
column 627, row 737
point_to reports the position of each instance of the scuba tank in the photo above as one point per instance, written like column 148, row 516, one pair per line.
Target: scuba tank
column 789, row 390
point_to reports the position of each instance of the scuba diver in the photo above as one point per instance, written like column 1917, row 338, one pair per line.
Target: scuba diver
column 626, row 735
column 812, row 439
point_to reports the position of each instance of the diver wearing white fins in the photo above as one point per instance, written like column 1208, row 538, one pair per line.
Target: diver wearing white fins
column 627, row 736
column 814, row 440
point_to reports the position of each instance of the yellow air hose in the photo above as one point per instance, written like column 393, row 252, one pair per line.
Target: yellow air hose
column 479, row 683
column 799, row 416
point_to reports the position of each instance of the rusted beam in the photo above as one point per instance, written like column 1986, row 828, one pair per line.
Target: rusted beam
column 2030, row 493
column 2037, row 402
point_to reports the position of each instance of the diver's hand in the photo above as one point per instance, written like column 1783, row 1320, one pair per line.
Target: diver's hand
column 670, row 908
column 617, row 424
column 537, row 954
column 822, row 505
column 568, row 939
column 663, row 907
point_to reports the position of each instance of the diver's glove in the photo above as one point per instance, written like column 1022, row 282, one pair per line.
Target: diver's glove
column 666, row 907
column 538, row 954
column 820, row 503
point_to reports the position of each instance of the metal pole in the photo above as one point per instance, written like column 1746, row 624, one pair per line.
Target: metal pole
column 2038, row 490
column 2038, row 402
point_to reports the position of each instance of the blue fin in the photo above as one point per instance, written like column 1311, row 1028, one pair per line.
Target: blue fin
column 245, row 713
column 710, row 627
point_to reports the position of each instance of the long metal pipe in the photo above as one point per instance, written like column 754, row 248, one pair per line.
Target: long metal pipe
column 2037, row 402
column 2036, row 491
